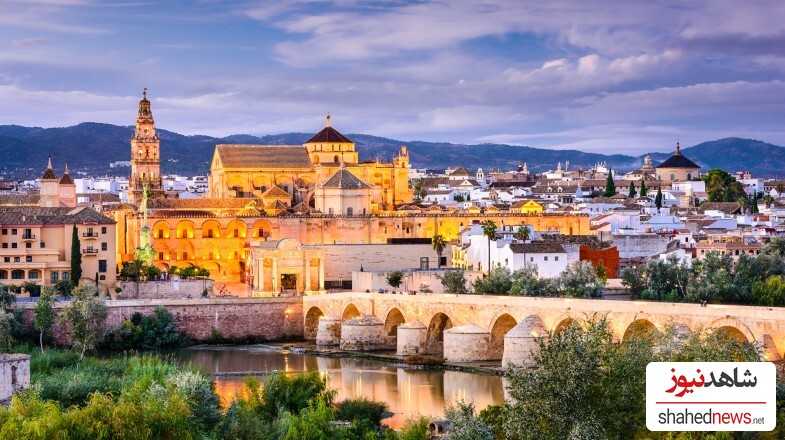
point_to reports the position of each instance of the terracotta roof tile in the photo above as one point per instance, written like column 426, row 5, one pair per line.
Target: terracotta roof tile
column 264, row 156
column 344, row 179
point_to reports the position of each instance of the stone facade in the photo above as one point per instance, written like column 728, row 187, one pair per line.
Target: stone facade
column 170, row 289
column 364, row 333
column 466, row 343
column 14, row 375
column 411, row 338
column 329, row 332
column 266, row 319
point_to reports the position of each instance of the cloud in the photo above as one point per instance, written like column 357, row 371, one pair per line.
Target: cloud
column 30, row 42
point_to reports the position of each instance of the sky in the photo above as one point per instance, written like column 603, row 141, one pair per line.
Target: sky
column 617, row 76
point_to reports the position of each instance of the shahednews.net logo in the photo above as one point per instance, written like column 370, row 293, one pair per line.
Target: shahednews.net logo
column 711, row 396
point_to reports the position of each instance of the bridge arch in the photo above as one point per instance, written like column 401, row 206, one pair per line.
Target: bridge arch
column 564, row 322
column 503, row 324
column 350, row 312
column 391, row 322
column 312, row 322
column 640, row 328
column 435, row 336
column 735, row 329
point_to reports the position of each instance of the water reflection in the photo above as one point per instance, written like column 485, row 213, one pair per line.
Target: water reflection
column 407, row 392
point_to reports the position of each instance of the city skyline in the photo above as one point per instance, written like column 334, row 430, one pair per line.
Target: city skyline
column 623, row 78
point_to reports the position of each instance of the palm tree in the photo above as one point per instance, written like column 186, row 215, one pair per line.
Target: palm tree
column 439, row 243
column 523, row 233
column 768, row 200
column 743, row 203
column 489, row 230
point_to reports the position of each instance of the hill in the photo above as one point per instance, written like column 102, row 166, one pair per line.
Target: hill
column 90, row 148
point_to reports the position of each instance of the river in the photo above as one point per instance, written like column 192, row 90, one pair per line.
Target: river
column 407, row 392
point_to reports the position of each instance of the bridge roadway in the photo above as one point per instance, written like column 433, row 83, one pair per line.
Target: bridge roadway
column 479, row 323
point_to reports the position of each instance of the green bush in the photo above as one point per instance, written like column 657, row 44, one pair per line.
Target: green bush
column 415, row 428
column 361, row 409
column 152, row 332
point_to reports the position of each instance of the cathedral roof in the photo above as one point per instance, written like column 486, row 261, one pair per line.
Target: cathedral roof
column 66, row 179
column 29, row 215
column 276, row 193
column 678, row 161
column 49, row 174
column 329, row 134
column 263, row 156
column 344, row 179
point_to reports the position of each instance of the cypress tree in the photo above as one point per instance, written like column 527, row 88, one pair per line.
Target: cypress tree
column 632, row 190
column 76, row 258
column 610, row 186
column 658, row 198
column 643, row 189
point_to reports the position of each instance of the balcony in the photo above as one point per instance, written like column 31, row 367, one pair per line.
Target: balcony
column 90, row 252
column 28, row 237
column 90, row 235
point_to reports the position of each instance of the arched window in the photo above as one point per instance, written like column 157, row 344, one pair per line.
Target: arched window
column 335, row 159
column 673, row 176
column 689, row 176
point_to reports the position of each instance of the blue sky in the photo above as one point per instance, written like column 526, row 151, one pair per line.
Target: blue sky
column 614, row 76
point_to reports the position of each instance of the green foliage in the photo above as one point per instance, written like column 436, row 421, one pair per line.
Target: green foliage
column 439, row 243
column 525, row 282
column 464, row 425
column 152, row 271
column 189, row 272
column 497, row 282
column 587, row 386
column 610, row 185
column 658, row 198
column 76, row 258
column 7, row 297
column 722, row 186
column 489, row 231
column 523, row 233
column 601, row 272
column 644, row 191
column 415, row 428
column 361, row 409
column 454, row 281
column 459, row 198
column 63, row 287
column 44, row 315
column 32, row 288
column 580, row 280
column 7, row 339
column 632, row 193
column 151, row 332
column 86, row 316
column 395, row 279
column 495, row 416
column 770, row 292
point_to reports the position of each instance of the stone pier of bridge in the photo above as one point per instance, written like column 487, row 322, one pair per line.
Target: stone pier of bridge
column 466, row 328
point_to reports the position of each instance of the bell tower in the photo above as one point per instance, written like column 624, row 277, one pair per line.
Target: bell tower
column 145, row 156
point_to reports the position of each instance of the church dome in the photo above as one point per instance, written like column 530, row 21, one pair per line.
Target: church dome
column 678, row 161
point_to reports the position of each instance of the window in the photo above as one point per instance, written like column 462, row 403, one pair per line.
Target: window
column 531, row 258
column 5, row 245
column 209, row 233
column 43, row 245
column 349, row 211
column 54, row 277
column 236, row 233
column 3, row 275
column 6, row 259
column 101, row 265
column 28, row 245
column 13, row 245
column 160, row 255
column 33, row 275
column 102, row 277
column 18, row 275
column 17, row 259
column 66, row 276
column 5, row 231
column 103, row 229
column 555, row 258
column 545, row 258
column 13, row 231
column 89, row 230
column 104, row 246
column 29, row 259
column 28, row 233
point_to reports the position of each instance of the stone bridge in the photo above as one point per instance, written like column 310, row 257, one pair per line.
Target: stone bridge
column 471, row 327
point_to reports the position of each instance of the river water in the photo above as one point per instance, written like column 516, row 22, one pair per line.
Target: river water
column 407, row 392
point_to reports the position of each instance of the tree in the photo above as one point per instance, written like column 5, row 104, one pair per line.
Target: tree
column 523, row 233
column 658, row 198
column 722, row 186
column 489, row 230
column 601, row 272
column 643, row 191
column 44, row 315
column 526, row 282
column 632, row 192
column 454, row 281
column 86, row 315
column 464, row 425
column 76, row 258
column 610, row 185
column 439, row 243
column 580, row 280
column 459, row 198
column 497, row 282
column 395, row 279
column 744, row 204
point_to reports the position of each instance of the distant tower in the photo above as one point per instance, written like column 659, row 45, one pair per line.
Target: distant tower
column 49, row 187
column 67, row 190
column 145, row 156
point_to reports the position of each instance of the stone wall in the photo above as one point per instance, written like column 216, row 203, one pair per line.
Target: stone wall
column 258, row 318
column 14, row 375
column 170, row 289
column 373, row 281
column 341, row 260
column 633, row 246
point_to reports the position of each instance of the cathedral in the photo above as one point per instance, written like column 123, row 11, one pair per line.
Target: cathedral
column 315, row 193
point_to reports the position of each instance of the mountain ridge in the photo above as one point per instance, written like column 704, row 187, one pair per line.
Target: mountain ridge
column 90, row 147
